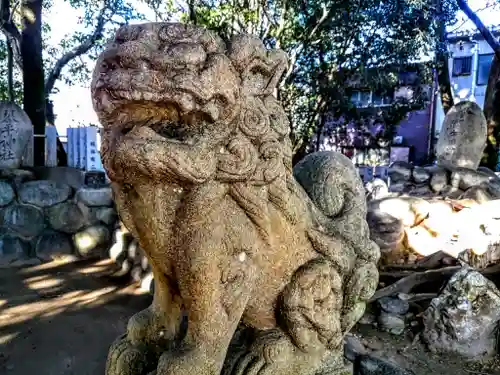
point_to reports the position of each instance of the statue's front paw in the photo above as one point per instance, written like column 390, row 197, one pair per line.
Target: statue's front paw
column 127, row 359
column 268, row 354
column 273, row 353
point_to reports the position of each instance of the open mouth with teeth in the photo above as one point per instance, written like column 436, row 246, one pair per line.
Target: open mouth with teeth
column 166, row 118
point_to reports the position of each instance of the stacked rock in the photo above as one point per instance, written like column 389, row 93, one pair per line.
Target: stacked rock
column 392, row 314
column 45, row 220
column 416, row 215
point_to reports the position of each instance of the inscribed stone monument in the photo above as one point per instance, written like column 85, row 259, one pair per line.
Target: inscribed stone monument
column 463, row 136
column 198, row 152
column 16, row 131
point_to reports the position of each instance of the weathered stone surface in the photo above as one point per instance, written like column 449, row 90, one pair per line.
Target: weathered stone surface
column 53, row 245
column 393, row 305
column 7, row 194
column 400, row 187
column 422, row 191
column 400, row 171
column 476, row 229
column 43, row 193
column 376, row 189
column 26, row 220
column 478, row 194
column 16, row 176
column 421, row 175
column 464, row 318
column 16, row 131
column 107, row 215
column 64, row 175
column 353, row 348
column 89, row 213
column 95, row 197
column 90, row 241
column 463, row 136
column 439, row 180
column 246, row 233
column 370, row 364
column 66, row 217
column 487, row 171
column 468, row 178
column 391, row 323
column 387, row 231
column 13, row 249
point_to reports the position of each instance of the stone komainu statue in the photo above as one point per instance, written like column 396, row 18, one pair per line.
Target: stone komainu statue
column 198, row 152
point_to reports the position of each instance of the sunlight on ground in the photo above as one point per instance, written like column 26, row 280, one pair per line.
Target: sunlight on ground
column 49, row 291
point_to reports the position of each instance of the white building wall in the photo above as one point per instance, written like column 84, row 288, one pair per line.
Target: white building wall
column 464, row 87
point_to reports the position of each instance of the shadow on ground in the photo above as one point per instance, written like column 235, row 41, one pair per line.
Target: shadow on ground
column 59, row 319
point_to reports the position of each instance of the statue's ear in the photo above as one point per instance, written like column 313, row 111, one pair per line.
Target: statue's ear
column 260, row 69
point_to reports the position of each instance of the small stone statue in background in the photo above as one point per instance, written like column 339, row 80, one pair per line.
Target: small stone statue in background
column 258, row 268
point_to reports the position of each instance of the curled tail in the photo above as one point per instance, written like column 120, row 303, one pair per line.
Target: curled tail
column 333, row 184
column 341, row 235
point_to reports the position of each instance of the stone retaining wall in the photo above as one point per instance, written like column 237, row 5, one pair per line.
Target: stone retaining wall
column 50, row 215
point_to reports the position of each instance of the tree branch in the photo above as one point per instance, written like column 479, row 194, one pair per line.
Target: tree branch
column 11, row 31
column 487, row 35
column 79, row 50
column 464, row 21
column 295, row 54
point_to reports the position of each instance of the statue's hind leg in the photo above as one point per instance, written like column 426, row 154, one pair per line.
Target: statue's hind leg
column 150, row 332
column 310, row 309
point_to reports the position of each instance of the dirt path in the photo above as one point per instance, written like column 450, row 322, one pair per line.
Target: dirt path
column 60, row 319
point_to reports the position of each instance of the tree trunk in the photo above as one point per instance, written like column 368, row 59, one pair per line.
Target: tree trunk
column 443, row 76
column 10, row 53
column 443, row 70
column 485, row 32
column 33, row 76
column 491, row 100
column 492, row 96
column 10, row 71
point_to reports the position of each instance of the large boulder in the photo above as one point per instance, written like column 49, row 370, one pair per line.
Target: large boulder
column 95, row 197
column 53, row 245
column 92, row 241
column 24, row 219
column 106, row 215
column 66, row 217
column 7, row 194
column 44, row 193
column 400, row 171
column 13, row 250
column 464, row 318
column 66, row 175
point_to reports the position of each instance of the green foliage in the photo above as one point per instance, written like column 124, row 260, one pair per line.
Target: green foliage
column 114, row 13
column 333, row 45
column 18, row 86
